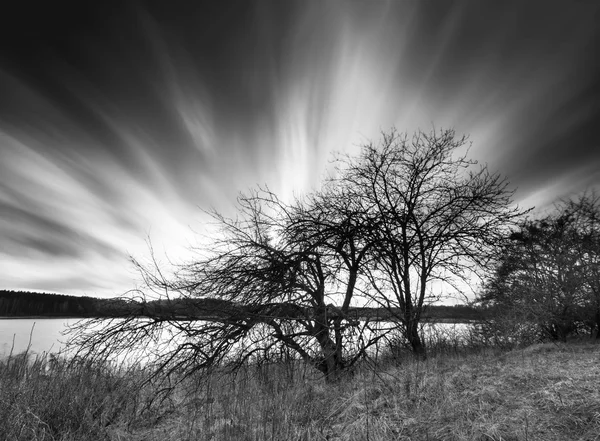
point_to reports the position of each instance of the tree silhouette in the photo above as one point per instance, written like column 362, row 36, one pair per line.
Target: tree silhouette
column 549, row 274
column 437, row 217
column 283, row 278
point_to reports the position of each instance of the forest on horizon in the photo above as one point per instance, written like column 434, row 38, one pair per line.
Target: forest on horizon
column 27, row 304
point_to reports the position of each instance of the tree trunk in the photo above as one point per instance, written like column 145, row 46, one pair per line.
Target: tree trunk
column 415, row 340
column 331, row 364
column 558, row 332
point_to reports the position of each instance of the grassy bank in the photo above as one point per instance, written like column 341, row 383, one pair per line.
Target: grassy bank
column 544, row 392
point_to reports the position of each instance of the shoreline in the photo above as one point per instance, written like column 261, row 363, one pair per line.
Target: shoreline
column 42, row 317
column 428, row 320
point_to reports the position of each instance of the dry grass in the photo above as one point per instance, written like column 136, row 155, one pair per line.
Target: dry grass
column 544, row 392
column 44, row 398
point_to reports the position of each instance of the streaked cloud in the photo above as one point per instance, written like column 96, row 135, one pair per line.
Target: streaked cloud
column 122, row 127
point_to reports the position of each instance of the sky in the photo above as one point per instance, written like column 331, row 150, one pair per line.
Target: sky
column 121, row 121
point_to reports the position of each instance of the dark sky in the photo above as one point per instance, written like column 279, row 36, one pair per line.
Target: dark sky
column 118, row 120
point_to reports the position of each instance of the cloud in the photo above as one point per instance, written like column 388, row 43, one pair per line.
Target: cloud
column 128, row 126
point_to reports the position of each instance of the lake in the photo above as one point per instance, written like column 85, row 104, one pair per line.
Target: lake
column 45, row 334
column 40, row 334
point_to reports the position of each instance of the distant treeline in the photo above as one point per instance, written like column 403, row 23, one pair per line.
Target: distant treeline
column 24, row 303
column 454, row 313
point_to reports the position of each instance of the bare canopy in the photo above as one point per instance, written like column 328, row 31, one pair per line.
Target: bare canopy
column 283, row 278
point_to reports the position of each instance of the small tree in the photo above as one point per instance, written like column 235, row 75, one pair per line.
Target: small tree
column 541, row 277
column 584, row 215
column 435, row 216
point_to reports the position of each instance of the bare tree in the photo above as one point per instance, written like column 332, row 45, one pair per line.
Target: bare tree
column 285, row 278
column 332, row 220
column 279, row 280
column 436, row 216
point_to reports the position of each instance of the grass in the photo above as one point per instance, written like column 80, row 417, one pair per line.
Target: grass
column 543, row 392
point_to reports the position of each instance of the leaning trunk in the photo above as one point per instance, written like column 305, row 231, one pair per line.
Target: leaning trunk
column 331, row 363
column 415, row 340
column 411, row 320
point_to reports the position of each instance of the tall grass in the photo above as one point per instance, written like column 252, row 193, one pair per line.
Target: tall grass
column 49, row 398
column 544, row 392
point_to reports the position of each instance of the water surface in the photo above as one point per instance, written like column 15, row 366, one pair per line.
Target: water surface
column 45, row 335
column 38, row 334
